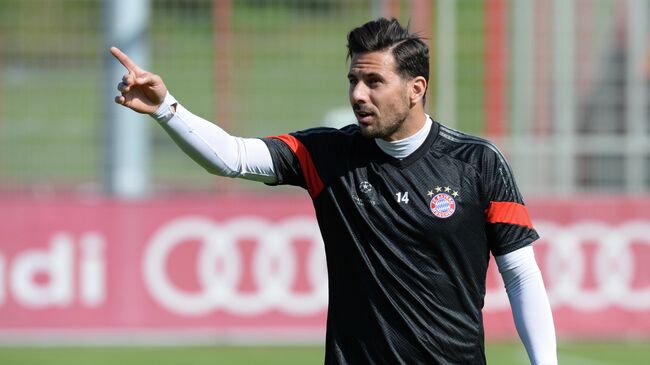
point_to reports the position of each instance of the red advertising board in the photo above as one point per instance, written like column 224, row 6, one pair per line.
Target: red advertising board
column 252, row 268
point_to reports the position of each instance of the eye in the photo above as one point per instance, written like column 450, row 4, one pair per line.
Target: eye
column 374, row 82
column 352, row 81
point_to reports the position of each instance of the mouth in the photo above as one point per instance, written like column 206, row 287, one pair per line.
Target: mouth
column 364, row 117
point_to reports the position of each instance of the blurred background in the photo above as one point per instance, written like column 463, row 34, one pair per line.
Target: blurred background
column 108, row 231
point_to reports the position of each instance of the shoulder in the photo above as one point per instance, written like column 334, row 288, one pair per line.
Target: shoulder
column 321, row 137
column 486, row 159
column 470, row 149
column 349, row 131
column 316, row 140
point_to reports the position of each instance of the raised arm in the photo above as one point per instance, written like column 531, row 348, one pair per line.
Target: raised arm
column 205, row 142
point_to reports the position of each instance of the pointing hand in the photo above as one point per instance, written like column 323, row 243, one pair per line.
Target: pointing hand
column 141, row 90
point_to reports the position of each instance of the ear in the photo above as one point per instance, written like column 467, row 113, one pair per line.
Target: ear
column 418, row 88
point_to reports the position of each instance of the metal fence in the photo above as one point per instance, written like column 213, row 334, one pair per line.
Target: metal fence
column 560, row 86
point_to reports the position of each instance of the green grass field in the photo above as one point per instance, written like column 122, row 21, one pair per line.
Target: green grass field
column 600, row 353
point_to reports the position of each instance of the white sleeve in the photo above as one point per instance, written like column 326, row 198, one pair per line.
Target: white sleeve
column 213, row 148
column 530, row 306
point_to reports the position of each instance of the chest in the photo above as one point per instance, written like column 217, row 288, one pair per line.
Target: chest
column 429, row 198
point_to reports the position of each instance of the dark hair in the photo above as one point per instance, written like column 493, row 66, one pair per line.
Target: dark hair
column 410, row 52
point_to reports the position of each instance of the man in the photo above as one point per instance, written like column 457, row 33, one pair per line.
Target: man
column 409, row 209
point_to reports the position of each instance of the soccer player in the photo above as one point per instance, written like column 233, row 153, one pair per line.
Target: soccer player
column 409, row 209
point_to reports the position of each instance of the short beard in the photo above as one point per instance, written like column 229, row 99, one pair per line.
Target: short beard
column 383, row 133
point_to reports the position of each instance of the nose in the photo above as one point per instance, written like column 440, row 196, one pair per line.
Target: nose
column 358, row 93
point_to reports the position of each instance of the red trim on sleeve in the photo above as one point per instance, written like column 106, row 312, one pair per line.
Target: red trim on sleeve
column 312, row 179
column 508, row 212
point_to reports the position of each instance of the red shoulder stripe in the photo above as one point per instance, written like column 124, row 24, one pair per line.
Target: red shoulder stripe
column 314, row 183
column 508, row 212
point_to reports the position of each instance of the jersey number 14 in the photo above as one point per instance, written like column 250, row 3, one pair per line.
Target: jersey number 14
column 402, row 197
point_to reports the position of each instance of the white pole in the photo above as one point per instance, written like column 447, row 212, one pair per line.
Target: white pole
column 564, row 94
column 127, row 133
column 445, row 54
column 636, row 94
column 523, row 84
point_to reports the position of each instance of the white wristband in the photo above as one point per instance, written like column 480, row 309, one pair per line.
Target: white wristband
column 164, row 112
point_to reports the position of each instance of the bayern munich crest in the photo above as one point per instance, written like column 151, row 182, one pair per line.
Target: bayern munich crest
column 442, row 205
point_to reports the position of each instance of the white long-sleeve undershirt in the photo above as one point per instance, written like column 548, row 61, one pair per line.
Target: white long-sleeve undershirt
column 531, row 309
column 249, row 158
column 212, row 147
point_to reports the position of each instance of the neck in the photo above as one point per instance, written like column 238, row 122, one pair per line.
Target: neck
column 402, row 148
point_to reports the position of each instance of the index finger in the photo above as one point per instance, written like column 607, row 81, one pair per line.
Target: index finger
column 124, row 59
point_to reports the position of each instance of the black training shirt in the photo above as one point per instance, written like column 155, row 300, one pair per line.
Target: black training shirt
column 407, row 241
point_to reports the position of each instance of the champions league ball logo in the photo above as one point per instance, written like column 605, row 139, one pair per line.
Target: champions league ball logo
column 367, row 194
column 365, row 187
column 442, row 205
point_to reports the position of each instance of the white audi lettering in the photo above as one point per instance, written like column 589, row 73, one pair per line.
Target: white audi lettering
column 92, row 267
column 56, row 265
